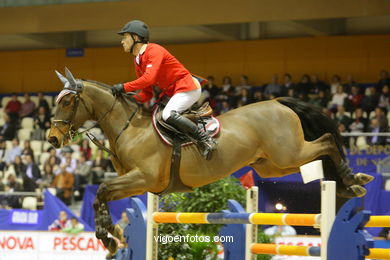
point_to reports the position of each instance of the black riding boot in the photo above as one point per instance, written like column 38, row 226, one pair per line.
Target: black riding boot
column 205, row 143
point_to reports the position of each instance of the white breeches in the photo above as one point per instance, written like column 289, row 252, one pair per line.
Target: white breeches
column 181, row 102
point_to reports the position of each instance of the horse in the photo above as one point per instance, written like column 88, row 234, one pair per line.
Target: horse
column 274, row 137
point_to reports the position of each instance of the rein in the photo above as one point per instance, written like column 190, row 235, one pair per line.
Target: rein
column 73, row 133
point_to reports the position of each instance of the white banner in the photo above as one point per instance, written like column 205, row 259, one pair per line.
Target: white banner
column 29, row 245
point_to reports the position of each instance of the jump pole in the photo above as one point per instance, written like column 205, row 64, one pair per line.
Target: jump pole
column 252, row 205
column 151, row 228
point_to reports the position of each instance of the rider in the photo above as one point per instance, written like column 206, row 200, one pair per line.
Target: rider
column 155, row 66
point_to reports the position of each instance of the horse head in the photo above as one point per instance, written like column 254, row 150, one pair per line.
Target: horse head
column 70, row 115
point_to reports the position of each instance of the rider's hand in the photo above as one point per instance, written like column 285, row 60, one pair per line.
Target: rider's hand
column 118, row 89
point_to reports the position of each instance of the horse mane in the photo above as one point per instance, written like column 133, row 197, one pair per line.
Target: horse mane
column 127, row 98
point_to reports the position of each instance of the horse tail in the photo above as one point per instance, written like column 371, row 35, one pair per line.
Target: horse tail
column 315, row 124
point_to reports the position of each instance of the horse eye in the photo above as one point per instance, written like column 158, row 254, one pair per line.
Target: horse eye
column 66, row 103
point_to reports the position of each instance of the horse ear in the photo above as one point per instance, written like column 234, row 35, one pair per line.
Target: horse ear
column 62, row 78
column 70, row 77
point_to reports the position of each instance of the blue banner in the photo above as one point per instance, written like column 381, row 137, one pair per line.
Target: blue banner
column 367, row 160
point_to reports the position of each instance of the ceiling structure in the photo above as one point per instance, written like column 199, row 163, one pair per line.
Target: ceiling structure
column 94, row 23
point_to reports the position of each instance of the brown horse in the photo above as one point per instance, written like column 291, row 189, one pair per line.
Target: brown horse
column 268, row 136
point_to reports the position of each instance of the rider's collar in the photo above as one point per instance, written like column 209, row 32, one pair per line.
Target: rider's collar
column 141, row 51
column 143, row 48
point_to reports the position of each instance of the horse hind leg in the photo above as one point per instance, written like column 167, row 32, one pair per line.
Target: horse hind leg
column 351, row 183
column 266, row 169
column 335, row 168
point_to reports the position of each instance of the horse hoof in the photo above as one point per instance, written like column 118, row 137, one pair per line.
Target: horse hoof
column 352, row 192
column 112, row 246
column 101, row 233
column 357, row 179
column 362, row 178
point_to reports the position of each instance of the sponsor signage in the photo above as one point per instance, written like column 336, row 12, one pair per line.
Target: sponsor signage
column 18, row 245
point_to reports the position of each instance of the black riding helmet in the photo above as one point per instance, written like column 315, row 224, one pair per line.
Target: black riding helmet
column 136, row 27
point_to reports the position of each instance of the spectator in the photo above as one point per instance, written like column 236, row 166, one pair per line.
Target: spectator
column 47, row 176
column 383, row 122
column 273, row 89
column 335, row 84
column 10, row 154
column 63, row 182
column 8, row 130
column 75, row 227
column 303, row 87
column 2, row 155
column 350, row 83
column 53, row 153
column 359, row 124
column 258, row 96
column 31, row 175
column 341, row 117
column 212, row 87
column 86, row 149
column 13, row 107
column 43, row 103
column 338, row 98
column 354, row 99
column 384, row 80
column 317, row 86
column 321, row 100
column 227, row 93
column 60, row 223
column 227, row 87
column 11, row 201
column 82, row 174
column 244, row 97
column 19, row 166
column 287, row 84
column 99, row 166
column 344, row 139
column 292, row 93
column 225, row 107
column 67, row 160
column 375, row 128
column 41, row 124
column 28, row 107
column 384, row 99
column 244, row 83
column 27, row 148
column 371, row 100
column 124, row 221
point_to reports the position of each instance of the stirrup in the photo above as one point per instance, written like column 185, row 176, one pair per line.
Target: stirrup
column 206, row 149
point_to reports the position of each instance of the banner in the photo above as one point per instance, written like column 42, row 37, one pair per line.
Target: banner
column 366, row 160
column 17, row 245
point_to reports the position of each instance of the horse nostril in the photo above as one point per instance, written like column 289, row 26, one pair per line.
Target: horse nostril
column 53, row 140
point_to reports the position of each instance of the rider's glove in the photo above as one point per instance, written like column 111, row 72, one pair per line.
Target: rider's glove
column 117, row 89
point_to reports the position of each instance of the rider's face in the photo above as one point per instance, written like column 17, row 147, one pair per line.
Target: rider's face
column 127, row 42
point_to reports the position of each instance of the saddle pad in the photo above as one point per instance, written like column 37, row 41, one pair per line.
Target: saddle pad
column 212, row 125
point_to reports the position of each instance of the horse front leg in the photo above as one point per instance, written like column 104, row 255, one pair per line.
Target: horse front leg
column 130, row 184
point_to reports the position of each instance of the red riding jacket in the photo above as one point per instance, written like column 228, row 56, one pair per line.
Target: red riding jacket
column 157, row 67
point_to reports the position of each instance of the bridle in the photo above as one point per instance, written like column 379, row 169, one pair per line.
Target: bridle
column 76, row 90
column 72, row 132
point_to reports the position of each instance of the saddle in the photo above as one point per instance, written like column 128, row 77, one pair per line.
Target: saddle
column 171, row 136
column 202, row 117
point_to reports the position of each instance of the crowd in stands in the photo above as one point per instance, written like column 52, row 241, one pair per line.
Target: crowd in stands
column 28, row 162
column 356, row 107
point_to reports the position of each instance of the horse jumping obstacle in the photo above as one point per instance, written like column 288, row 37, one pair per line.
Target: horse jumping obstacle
column 144, row 225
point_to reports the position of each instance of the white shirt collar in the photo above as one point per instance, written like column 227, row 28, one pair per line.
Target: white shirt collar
column 141, row 51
